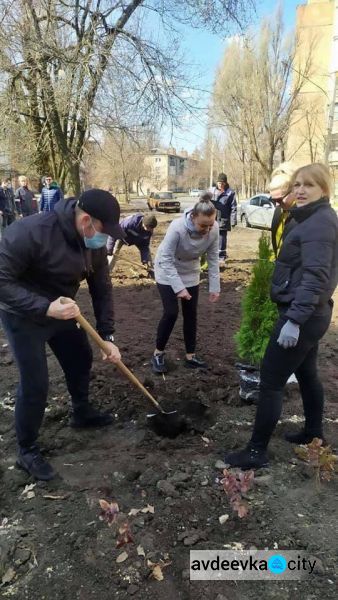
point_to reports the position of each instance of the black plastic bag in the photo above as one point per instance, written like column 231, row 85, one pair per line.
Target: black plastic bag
column 249, row 377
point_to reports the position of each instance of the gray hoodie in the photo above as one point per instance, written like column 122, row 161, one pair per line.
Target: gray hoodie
column 177, row 262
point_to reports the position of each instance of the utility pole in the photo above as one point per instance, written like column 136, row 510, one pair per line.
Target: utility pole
column 331, row 119
column 211, row 179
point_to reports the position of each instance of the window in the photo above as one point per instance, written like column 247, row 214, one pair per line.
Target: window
column 265, row 201
column 254, row 201
column 165, row 196
column 335, row 112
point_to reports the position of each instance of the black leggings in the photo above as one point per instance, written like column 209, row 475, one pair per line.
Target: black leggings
column 278, row 364
column 170, row 314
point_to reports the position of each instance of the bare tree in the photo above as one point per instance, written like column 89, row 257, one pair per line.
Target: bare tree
column 195, row 174
column 56, row 56
column 309, row 134
column 118, row 162
column 253, row 96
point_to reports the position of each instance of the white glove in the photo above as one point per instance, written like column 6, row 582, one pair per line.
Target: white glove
column 289, row 335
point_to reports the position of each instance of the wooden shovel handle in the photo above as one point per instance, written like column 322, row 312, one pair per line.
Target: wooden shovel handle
column 120, row 365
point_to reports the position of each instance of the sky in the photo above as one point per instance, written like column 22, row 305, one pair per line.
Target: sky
column 205, row 50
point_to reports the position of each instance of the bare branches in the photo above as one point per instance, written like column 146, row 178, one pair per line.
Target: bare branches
column 62, row 61
column 253, row 93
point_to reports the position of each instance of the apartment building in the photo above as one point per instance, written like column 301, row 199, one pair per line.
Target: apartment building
column 169, row 170
column 313, row 133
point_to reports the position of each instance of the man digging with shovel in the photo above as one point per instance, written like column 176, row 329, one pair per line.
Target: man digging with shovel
column 42, row 259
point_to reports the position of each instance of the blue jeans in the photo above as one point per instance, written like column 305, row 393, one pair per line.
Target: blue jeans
column 28, row 342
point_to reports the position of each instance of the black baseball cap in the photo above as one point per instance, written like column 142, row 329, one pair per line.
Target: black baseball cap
column 102, row 205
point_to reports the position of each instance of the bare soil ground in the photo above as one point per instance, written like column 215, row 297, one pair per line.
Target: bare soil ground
column 55, row 547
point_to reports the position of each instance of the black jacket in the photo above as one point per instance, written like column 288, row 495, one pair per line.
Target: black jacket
column 3, row 200
column 42, row 257
column 10, row 207
column 306, row 271
column 26, row 203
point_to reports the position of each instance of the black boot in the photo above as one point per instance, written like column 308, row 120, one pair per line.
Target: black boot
column 89, row 417
column 31, row 461
column 248, row 458
column 302, row 437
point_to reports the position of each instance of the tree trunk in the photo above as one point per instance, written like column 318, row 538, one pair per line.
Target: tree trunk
column 74, row 180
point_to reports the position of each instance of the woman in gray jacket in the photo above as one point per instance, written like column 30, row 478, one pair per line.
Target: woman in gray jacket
column 177, row 274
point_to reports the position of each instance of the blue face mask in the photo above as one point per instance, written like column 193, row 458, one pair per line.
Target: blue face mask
column 99, row 240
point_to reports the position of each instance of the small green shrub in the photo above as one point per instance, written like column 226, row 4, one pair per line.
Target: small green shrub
column 259, row 313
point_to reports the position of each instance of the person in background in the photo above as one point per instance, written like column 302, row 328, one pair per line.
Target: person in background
column 304, row 279
column 50, row 195
column 2, row 210
column 283, row 197
column 43, row 259
column 138, row 231
column 225, row 203
column 26, row 203
column 177, row 274
column 214, row 191
column 9, row 207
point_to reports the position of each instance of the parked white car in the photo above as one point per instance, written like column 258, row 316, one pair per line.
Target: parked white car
column 257, row 212
column 195, row 193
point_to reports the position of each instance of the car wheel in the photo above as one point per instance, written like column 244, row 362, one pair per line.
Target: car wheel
column 244, row 221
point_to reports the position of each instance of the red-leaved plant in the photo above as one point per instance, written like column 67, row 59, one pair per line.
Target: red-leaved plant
column 124, row 536
column 111, row 514
column 110, row 510
column 235, row 485
column 320, row 458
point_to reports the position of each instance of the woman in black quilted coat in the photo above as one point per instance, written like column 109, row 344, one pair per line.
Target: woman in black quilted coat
column 304, row 279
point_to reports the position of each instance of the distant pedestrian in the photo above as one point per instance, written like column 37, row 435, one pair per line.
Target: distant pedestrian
column 224, row 200
column 50, row 195
column 26, row 203
column 2, row 209
column 9, row 206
